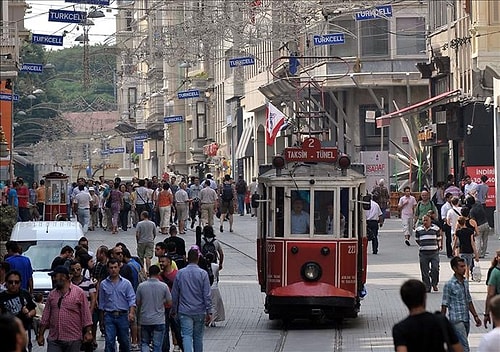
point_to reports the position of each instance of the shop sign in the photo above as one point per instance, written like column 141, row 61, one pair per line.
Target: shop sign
column 210, row 149
column 376, row 167
column 427, row 134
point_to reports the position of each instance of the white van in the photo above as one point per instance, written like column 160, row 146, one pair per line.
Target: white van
column 42, row 241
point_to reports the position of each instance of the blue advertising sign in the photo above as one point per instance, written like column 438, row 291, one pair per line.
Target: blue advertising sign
column 34, row 68
column 383, row 11
column 192, row 93
column 329, row 39
column 140, row 136
column 45, row 39
column 65, row 16
column 139, row 146
column 8, row 97
column 173, row 119
column 117, row 150
column 90, row 2
column 241, row 61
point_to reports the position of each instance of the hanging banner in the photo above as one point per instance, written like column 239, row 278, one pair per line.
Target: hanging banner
column 45, row 39
column 33, row 68
column 475, row 173
column 376, row 167
column 65, row 16
column 139, row 146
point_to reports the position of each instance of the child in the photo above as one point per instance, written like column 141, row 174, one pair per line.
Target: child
column 40, row 306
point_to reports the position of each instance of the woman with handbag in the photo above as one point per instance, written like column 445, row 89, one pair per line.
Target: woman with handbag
column 116, row 206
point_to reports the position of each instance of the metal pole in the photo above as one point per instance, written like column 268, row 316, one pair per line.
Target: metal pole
column 496, row 149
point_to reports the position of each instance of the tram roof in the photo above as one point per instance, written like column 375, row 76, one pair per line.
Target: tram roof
column 299, row 171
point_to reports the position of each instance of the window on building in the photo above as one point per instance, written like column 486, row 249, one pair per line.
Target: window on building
column 367, row 120
column 494, row 12
column 129, row 18
column 374, row 38
column 349, row 48
column 440, row 13
column 410, row 34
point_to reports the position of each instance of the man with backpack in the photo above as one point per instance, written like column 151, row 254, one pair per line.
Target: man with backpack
column 210, row 245
column 227, row 196
column 241, row 191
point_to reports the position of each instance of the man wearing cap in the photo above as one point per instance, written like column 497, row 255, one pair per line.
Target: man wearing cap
column 66, row 315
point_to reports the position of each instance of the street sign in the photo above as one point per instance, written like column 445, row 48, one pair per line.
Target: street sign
column 173, row 119
column 192, row 93
column 329, row 39
column 117, row 150
column 241, row 61
column 90, row 2
column 33, row 68
column 383, row 11
column 311, row 151
column 8, row 97
column 45, row 39
column 140, row 136
column 65, row 16
column 139, row 146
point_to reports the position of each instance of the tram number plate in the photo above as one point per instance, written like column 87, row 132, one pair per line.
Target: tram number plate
column 351, row 249
column 271, row 248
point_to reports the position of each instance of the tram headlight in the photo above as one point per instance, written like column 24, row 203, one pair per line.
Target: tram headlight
column 311, row 271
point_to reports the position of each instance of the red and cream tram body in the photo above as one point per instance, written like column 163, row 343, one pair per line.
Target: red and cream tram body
column 311, row 235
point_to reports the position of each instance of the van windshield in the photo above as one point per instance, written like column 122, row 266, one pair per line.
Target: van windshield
column 42, row 253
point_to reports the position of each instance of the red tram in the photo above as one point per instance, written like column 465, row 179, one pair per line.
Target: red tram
column 312, row 247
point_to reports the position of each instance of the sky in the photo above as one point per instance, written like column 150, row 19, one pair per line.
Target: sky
column 36, row 19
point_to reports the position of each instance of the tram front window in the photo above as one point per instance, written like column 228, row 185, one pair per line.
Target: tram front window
column 300, row 212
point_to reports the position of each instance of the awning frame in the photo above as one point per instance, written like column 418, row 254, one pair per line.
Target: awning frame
column 385, row 120
column 243, row 143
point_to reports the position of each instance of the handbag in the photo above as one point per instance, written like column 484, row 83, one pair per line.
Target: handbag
column 476, row 272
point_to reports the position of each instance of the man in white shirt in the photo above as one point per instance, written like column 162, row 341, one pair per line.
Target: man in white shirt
column 374, row 219
column 299, row 218
column 444, row 226
column 491, row 341
column 208, row 204
column 470, row 188
column 82, row 202
column 406, row 206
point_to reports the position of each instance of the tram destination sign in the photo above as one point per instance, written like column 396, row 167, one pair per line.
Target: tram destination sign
column 311, row 151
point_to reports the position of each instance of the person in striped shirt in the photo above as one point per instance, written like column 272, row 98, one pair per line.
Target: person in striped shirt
column 430, row 242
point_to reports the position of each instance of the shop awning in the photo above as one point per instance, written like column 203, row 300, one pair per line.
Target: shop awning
column 385, row 120
column 243, row 143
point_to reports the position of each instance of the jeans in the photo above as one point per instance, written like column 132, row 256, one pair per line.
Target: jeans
column 192, row 327
column 241, row 204
column 481, row 239
column 63, row 346
column 432, row 258
column 152, row 333
column 462, row 330
column 124, row 219
column 448, row 237
column 373, row 225
column 116, row 326
column 84, row 218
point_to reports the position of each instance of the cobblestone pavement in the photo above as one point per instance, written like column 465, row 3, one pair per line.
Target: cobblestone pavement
column 248, row 328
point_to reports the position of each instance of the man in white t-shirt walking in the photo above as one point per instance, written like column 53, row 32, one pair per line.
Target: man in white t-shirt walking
column 406, row 206
column 82, row 202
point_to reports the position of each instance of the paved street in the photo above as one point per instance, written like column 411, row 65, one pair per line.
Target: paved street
column 248, row 328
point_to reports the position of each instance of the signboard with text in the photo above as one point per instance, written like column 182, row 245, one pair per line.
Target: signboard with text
column 33, row 68
column 241, row 61
column 376, row 167
column 66, row 16
column 8, row 97
column 173, row 119
column 44, row 39
column 475, row 173
column 376, row 12
column 192, row 93
column 311, row 151
column 329, row 39
column 139, row 146
column 90, row 2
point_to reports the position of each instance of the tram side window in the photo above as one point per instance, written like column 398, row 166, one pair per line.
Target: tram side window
column 346, row 230
column 279, row 227
column 300, row 210
column 325, row 216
